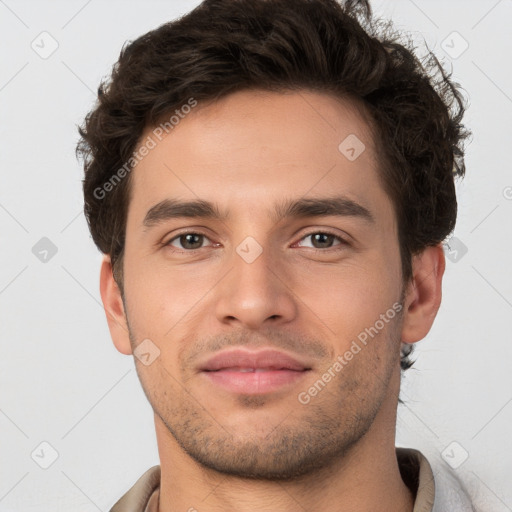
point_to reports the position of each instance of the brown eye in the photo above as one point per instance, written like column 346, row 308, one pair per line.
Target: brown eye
column 323, row 240
column 188, row 241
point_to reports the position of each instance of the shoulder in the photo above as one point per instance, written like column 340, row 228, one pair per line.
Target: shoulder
column 137, row 497
column 436, row 486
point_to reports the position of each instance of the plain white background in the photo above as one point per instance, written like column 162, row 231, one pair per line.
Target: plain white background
column 63, row 382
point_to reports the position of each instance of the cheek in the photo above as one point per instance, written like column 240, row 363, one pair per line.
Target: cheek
column 350, row 297
column 165, row 303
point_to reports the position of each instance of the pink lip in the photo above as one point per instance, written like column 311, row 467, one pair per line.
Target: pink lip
column 259, row 372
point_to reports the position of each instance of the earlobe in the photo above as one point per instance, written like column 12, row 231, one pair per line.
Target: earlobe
column 423, row 294
column 114, row 308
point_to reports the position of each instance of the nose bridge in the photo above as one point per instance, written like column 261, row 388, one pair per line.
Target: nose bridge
column 254, row 292
column 253, row 267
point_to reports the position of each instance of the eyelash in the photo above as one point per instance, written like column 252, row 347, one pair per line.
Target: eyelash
column 342, row 241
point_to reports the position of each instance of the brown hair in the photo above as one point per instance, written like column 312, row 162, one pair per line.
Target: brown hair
column 330, row 46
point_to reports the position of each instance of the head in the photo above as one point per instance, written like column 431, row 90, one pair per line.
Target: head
column 272, row 174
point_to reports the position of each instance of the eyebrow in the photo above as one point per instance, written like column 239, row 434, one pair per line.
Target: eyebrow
column 339, row 206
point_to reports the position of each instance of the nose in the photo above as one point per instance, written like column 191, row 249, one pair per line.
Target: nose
column 255, row 294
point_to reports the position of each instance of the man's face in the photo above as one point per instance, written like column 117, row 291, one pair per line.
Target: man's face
column 254, row 281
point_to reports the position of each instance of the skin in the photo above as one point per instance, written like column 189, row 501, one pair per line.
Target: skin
column 224, row 451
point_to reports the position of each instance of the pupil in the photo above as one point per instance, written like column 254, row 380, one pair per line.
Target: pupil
column 188, row 240
column 321, row 238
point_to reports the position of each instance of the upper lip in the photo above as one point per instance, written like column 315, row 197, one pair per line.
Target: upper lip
column 268, row 359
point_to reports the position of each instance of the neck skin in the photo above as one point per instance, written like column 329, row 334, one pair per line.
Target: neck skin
column 366, row 479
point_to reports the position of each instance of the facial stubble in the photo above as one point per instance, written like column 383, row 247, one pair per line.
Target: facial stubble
column 299, row 440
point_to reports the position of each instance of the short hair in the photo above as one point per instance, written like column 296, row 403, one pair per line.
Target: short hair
column 330, row 46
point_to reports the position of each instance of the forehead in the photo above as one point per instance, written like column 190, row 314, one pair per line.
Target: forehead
column 251, row 146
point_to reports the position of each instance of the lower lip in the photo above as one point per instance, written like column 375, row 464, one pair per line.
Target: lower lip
column 254, row 383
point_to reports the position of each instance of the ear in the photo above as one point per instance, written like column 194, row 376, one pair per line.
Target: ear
column 423, row 294
column 114, row 307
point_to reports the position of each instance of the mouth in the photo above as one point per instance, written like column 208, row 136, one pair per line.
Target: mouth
column 253, row 373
